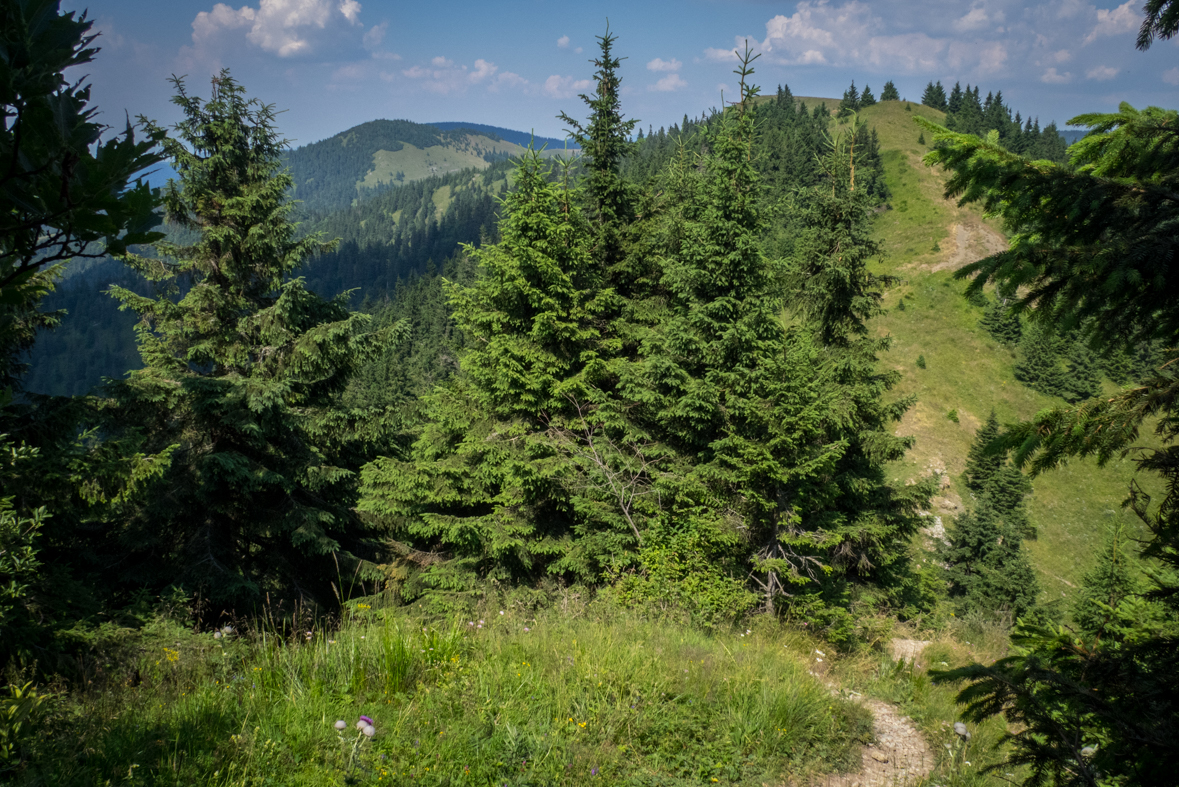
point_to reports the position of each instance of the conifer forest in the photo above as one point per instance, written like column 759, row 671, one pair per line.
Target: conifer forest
column 801, row 442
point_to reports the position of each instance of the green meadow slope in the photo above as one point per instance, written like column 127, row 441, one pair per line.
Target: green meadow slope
column 926, row 239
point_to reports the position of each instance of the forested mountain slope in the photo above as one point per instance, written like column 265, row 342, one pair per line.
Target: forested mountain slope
column 964, row 372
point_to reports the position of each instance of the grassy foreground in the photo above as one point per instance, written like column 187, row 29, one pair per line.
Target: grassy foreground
column 545, row 700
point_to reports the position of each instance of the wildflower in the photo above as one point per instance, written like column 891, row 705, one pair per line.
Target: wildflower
column 961, row 731
column 216, row 635
column 367, row 720
column 341, row 724
column 501, row 612
column 369, row 730
column 594, row 771
column 526, row 629
column 821, row 653
column 227, row 630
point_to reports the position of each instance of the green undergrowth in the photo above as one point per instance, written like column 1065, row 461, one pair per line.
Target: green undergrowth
column 550, row 699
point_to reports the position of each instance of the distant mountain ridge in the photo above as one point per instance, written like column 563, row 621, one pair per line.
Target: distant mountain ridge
column 521, row 138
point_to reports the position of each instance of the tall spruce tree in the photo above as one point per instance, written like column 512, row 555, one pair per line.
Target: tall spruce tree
column 831, row 288
column 889, row 92
column 605, row 142
column 934, row 96
column 482, row 495
column 850, row 102
column 718, row 383
column 866, row 97
column 243, row 367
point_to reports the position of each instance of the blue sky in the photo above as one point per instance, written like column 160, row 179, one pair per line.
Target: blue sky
column 331, row 64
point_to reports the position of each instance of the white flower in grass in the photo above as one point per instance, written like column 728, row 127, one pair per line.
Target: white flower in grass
column 341, row 725
column 369, row 730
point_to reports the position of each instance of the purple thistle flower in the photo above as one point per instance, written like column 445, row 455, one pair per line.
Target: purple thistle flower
column 367, row 720
column 594, row 771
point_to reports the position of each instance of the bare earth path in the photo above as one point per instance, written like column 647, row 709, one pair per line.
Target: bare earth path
column 898, row 758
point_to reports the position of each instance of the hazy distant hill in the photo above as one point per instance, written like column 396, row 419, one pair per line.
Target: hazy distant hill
column 521, row 138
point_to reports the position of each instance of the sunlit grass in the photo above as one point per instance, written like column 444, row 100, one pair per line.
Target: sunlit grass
column 545, row 701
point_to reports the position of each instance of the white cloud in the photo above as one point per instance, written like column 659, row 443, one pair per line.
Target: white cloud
column 565, row 87
column 375, row 35
column 445, row 77
column 1171, row 76
column 281, row 27
column 992, row 57
column 563, row 42
column 720, row 55
column 1101, row 73
column 351, row 10
column 578, row 50
column 1122, row 19
column 659, row 64
column 1051, row 77
column 975, row 20
column 1062, row 56
column 850, row 34
column 669, row 83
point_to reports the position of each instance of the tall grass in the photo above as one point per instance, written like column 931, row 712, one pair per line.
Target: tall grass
column 509, row 700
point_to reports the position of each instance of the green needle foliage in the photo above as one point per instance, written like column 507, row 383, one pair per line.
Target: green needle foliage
column 987, row 567
column 62, row 188
column 243, row 371
column 1038, row 366
column 982, row 463
column 1002, row 323
column 605, row 143
column 483, row 487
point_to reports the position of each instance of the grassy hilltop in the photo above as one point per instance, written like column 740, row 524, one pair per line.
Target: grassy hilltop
column 926, row 239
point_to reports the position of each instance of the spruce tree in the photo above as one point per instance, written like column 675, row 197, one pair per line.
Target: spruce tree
column 934, row 96
column 1081, row 379
column 889, row 93
column 1002, row 323
column 986, row 565
column 485, row 483
column 832, row 289
column 850, row 102
column 866, row 97
column 981, row 463
column 717, row 381
column 605, row 142
column 955, row 100
column 243, row 368
column 1111, row 591
column 1038, row 366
